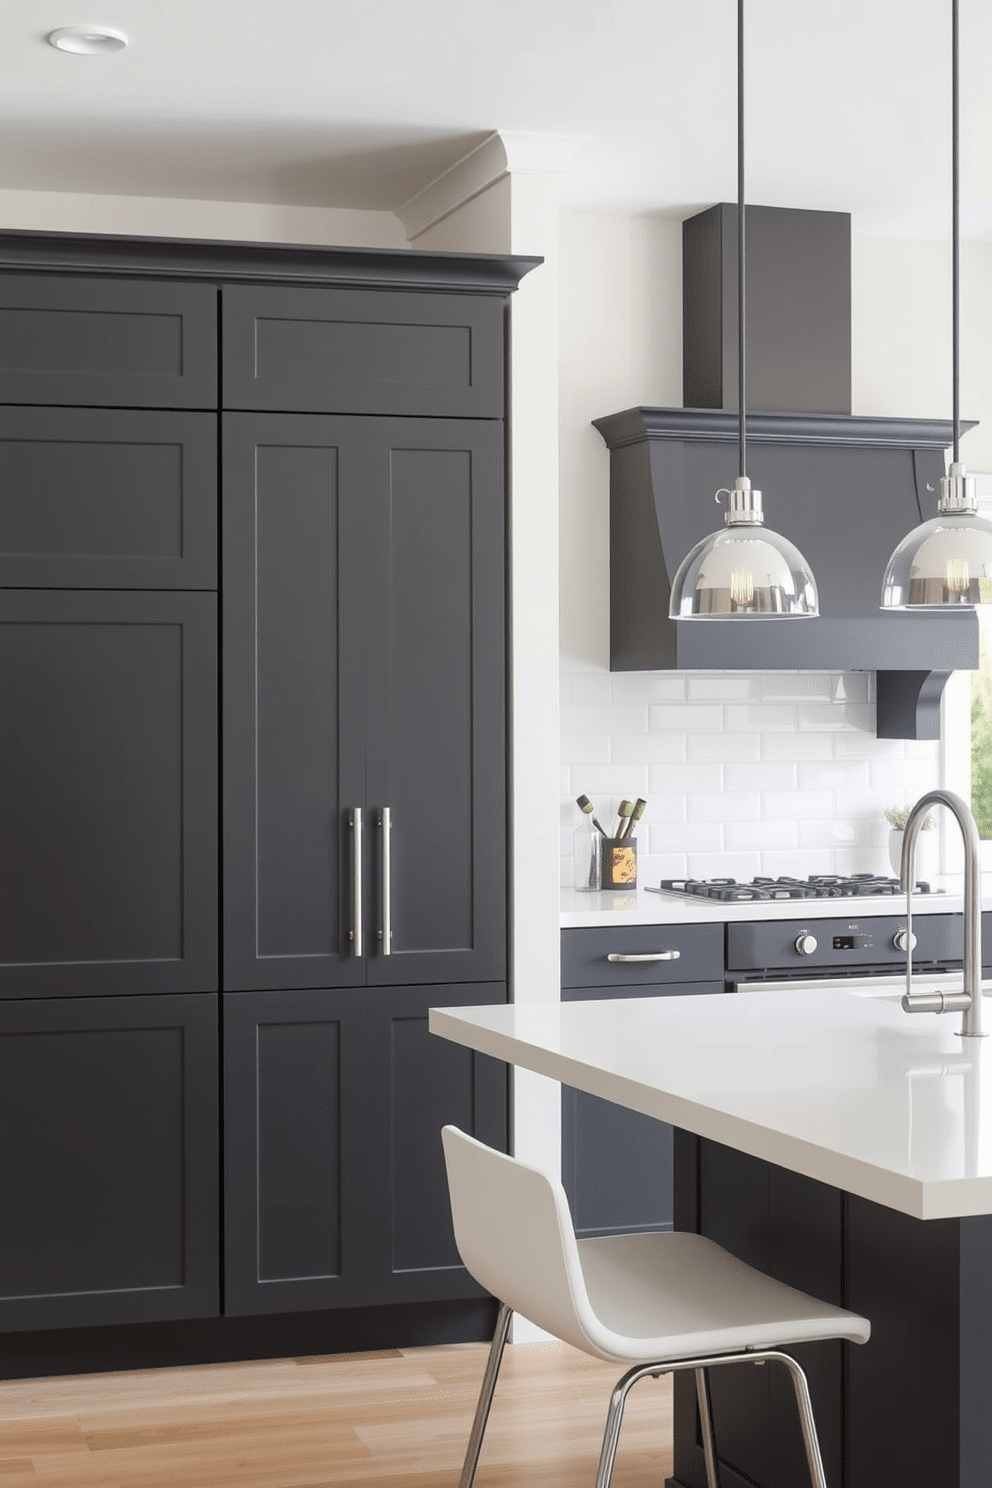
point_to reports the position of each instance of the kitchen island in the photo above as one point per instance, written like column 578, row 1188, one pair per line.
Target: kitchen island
column 844, row 1146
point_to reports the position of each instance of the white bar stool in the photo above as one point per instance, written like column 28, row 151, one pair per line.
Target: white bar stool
column 659, row 1302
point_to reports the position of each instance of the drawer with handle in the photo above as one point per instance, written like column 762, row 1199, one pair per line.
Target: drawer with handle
column 639, row 955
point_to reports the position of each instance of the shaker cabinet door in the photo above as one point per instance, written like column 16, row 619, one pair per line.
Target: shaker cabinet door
column 108, row 793
column 335, row 1190
column 436, row 731
column 298, row 1110
column 363, row 668
column 108, row 1160
column 293, row 703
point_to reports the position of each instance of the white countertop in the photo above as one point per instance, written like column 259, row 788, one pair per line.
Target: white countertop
column 837, row 1084
column 641, row 907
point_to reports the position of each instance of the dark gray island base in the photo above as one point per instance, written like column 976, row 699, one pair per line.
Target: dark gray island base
column 910, row 1409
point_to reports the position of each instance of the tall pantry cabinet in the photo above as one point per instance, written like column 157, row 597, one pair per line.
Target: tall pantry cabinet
column 324, row 780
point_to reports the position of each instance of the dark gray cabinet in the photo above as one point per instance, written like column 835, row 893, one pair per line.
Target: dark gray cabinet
column 108, row 801
column 112, row 343
column 617, row 1164
column 363, row 350
column 335, row 1194
column 358, row 444
column 100, row 498
column 108, row 1160
column 363, row 669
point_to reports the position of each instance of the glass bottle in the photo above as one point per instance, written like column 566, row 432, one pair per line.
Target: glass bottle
column 586, row 856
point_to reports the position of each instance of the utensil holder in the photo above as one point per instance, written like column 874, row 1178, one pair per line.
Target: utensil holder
column 619, row 862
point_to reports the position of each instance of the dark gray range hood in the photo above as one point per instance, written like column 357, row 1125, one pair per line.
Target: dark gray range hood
column 844, row 489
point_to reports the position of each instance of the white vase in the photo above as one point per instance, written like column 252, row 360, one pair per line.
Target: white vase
column 925, row 866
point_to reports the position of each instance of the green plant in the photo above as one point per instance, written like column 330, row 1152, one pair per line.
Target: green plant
column 897, row 816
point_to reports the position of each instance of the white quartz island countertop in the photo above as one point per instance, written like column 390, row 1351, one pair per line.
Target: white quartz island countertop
column 837, row 1084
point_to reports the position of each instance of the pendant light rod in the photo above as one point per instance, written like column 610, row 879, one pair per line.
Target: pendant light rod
column 741, row 306
column 955, row 232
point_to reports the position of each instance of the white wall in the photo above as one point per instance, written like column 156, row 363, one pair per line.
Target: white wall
column 50, row 211
column 744, row 773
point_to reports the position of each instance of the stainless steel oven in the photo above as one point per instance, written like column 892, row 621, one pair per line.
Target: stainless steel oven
column 803, row 953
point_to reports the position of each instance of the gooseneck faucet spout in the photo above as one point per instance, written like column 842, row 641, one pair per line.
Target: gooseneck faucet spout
column 968, row 1001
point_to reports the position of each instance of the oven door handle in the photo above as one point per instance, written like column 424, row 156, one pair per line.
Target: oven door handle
column 875, row 986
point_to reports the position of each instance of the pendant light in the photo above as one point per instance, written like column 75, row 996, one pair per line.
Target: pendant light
column 745, row 569
column 948, row 560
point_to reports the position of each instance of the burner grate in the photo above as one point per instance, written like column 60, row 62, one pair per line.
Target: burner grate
column 817, row 886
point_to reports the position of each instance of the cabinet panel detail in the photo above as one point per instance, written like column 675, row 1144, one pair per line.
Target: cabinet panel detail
column 108, row 815
column 107, row 343
column 108, row 1159
column 362, row 351
column 436, row 729
column 294, row 681
column 299, row 1150
column 428, row 1083
column 92, row 499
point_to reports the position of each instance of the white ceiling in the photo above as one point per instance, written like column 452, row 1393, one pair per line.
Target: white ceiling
column 315, row 102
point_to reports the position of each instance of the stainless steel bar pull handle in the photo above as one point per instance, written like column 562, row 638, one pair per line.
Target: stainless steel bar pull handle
column 386, row 933
column 355, row 933
column 652, row 956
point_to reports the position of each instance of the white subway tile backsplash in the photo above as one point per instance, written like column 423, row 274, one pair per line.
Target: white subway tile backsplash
column 834, row 775
column 592, row 688
column 834, row 716
column 585, row 749
column 725, row 806
column 799, row 864
column 661, row 811
column 796, row 747
column 692, row 837
column 649, row 749
column 775, row 773
column 864, row 746
column 761, row 717
column 648, row 687
column 602, row 783
column 759, row 775
column 584, row 718
column 725, row 746
column 796, row 805
column 761, row 836
column 796, row 687
column 724, row 687
column 904, row 779
column 685, row 778
column 853, row 687
column 742, row 865
column 694, row 716
column 836, row 833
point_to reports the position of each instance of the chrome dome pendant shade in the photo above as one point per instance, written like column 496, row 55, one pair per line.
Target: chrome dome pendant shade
column 948, row 560
column 745, row 569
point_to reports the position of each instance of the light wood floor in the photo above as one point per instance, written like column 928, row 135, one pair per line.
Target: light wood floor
column 397, row 1419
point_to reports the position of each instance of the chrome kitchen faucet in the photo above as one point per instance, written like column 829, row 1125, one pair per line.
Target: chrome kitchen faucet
column 968, row 1001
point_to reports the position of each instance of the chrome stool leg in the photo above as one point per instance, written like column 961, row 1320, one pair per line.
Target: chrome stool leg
column 706, row 1427
column 485, row 1397
column 805, row 1406
column 614, row 1418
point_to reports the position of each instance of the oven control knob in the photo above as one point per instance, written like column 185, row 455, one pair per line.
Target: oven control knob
column 806, row 944
column 900, row 938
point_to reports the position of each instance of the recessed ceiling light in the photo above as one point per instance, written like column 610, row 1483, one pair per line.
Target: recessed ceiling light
column 87, row 40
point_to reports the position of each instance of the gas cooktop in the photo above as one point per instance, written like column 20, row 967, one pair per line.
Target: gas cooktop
column 817, row 886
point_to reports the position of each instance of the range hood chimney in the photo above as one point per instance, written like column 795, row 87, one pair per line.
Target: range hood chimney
column 844, row 488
